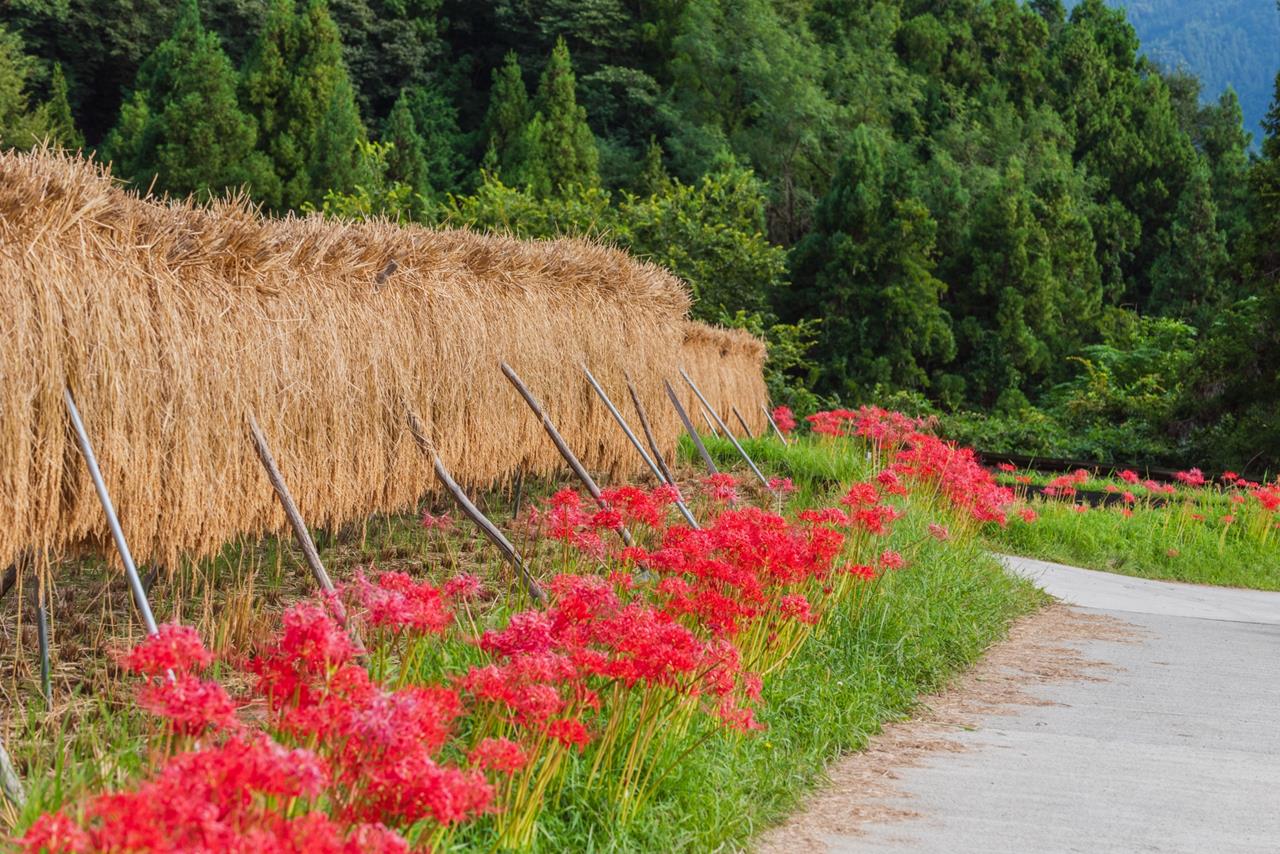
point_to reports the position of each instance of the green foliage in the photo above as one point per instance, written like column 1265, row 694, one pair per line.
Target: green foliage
column 406, row 160
column 296, row 87
column 710, row 234
column 20, row 125
column 545, row 146
column 867, row 267
column 182, row 130
column 380, row 194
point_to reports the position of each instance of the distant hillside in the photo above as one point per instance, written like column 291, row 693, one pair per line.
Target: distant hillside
column 1225, row 42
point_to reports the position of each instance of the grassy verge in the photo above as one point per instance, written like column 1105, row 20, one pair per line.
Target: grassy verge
column 906, row 633
column 1162, row 543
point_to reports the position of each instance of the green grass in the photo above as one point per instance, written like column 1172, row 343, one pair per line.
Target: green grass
column 916, row 629
column 1163, row 543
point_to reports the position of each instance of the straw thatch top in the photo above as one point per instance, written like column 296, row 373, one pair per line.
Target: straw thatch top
column 727, row 342
column 59, row 199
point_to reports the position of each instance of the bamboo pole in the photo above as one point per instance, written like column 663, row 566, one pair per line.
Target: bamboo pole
column 742, row 421
column 714, row 414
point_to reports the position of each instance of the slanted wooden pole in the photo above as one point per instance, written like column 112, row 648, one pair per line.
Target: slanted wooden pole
column 711, row 428
column 42, row 636
column 626, row 429
column 519, row 493
column 559, row 442
column 723, row 426
column 473, row 513
column 296, row 521
column 10, row 782
column 774, row 425
column 122, row 546
column 742, row 421
column 648, row 432
column 688, row 426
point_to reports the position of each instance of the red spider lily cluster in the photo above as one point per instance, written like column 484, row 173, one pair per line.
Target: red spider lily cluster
column 640, row 652
column 785, row 419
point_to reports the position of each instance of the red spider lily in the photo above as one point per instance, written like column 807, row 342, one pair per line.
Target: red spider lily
column 1191, row 477
column 462, row 587
column 398, row 603
column 1229, row 477
column 861, row 494
column 1028, row 515
column 890, row 559
column 797, row 607
column 498, row 754
column 1128, row 476
column 721, row 488
column 891, row 483
column 443, row 522
column 1171, row 552
column 635, row 506
column 784, row 418
column 173, row 648
column 1129, row 498
column 939, row 532
column 570, row 732
column 782, row 485
column 309, row 647
column 1080, row 508
column 190, row 704
column 1126, row 512
column 1227, row 519
column 1007, row 467
column 214, row 799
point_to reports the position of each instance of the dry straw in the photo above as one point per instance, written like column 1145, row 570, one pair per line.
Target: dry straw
column 728, row 366
column 172, row 321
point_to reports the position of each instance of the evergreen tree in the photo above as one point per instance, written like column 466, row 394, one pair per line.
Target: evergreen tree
column 20, row 127
column 565, row 144
column 509, row 109
column 405, row 161
column 62, row 126
column 182, row 125
column 296, row 87
column 867, row 269
column 1187, row 277
column 435, row 118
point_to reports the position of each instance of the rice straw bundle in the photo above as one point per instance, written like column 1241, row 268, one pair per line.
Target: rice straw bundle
column 728, row 366
column 172, row 321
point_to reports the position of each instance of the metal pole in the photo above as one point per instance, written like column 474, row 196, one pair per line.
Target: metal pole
column 622, row 422
column 742, row 421
column 688, row 426
column 559, row 442
column 473, row 513
column 774, row 425
column 290, row 508
column 10, row 782
column 715, row 415
column 130, row 570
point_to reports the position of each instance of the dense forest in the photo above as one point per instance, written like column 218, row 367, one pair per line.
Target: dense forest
column 965, row 207
column 1227, row 43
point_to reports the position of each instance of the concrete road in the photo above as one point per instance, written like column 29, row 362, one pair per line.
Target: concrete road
column 1178, row 750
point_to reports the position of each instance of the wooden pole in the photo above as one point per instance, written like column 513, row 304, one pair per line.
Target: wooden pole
column 296, row 522
column 42, row 636
column 742, row 421
column 723, row 426
column 104, row 497
column 559, row 442
column 774, row 425
column 10, row 782
column 648, row 431
column 473, row 513
column 626, row 428
column 688, row 426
